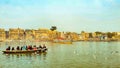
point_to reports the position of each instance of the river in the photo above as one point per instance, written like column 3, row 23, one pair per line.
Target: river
column 76, row 55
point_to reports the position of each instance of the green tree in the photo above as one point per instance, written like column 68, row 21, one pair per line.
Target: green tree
column 97, row 32
column 82, row 31
column 109, row 34
column 53, row 28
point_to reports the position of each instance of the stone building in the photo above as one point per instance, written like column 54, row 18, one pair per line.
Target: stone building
column 42, row 34
column 2, row 35
column 29, row 34
column 16, row 34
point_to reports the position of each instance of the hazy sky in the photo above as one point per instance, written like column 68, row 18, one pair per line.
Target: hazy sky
column 67, row 15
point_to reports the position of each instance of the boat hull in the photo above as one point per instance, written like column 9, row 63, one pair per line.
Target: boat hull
column 25, row 51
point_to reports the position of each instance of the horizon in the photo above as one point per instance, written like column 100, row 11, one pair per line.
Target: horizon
column 73, row 16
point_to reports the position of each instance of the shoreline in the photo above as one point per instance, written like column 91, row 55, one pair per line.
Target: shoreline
column 53, row 42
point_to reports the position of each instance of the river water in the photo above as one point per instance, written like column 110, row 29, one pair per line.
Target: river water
column 76, row 55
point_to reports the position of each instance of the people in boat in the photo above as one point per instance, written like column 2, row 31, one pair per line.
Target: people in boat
column 28, row 47
column 18, row 48
column 21, row 48
column 34, row 47
column 8, row 48
column 44, row 46
column 13, row 48
column 24, row 48
column 40, row 47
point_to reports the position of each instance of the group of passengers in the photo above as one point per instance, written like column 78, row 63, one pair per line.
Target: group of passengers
column 29, row 47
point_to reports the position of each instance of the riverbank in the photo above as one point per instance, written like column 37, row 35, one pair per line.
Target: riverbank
column 52, row 41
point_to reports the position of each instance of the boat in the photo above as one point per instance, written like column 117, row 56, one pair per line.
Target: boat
column 26, row 51
column 62, row 41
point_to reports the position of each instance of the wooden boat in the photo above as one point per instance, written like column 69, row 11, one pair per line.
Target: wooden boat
column 26, row 51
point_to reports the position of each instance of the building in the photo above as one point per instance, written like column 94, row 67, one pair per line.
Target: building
column 29, row 34
column 118, row 33
column 42, row 34
column 2, row 35
column 16, row 34
column 74, row 36
column 84, row 36
column 94, row 35
column 118, row 36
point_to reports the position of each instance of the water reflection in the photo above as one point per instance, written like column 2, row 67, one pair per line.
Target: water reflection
column 41, row 56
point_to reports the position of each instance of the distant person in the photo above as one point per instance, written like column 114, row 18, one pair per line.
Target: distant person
column 40, row 46
column 34, row 47
column 21, row 48
column 31, row 47
column 8, row 48
column 13, row 48
column 24, row 48
column 18, row 48
column 28, row 47
column 44, row 46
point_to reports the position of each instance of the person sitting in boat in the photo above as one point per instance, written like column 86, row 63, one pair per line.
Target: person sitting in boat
column 13, row 48
column 28, row 47
column 34, row 48
column 21, row 48
column 8, row 48
column 18, row 48
column 24, row 47
column 44, row 46
column 40, row 47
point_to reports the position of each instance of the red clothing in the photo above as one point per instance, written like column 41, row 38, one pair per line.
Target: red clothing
column 35, row 48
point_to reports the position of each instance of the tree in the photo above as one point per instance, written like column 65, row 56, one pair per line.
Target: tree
column 97, row 33
column 109, row 35
column 90, row 35
column 53, row 28
column 114, row 33
column 82, row 31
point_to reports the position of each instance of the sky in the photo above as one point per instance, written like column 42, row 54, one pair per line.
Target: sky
column 66, row 15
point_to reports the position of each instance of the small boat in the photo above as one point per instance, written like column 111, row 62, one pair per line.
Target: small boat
column 26, row 51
